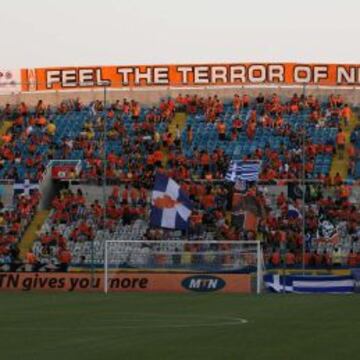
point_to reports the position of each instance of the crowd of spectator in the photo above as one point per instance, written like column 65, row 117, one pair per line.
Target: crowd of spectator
column 138, row 142
column 13, row 223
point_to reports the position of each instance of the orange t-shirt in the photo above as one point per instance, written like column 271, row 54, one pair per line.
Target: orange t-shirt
column 344, row 191
column 341, row 138
column 346, row 112
column 30, row 258
column 158, row 155
column 41, row 121
column 208, row 201
column 221, row 128
column 6, row 138
column 352, row 260
column 205, row 159
column 65, row 257
column 290, row 259
column 275, row 258
column 351, row 150
column 338, row 180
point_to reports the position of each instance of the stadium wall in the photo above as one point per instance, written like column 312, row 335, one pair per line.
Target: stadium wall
column 152, row 96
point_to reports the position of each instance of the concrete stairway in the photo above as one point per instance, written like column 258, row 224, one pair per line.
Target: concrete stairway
column 30, row 233
column 341, row 165
column 4, row 127
column 180, row 120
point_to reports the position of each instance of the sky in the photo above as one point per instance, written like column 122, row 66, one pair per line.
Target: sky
column 40, row 33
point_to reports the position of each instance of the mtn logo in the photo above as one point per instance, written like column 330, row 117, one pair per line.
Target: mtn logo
column 203, row 283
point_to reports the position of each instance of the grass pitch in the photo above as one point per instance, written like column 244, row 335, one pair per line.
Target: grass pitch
column 137, row 326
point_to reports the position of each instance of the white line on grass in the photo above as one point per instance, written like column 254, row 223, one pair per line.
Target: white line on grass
column 115, row 323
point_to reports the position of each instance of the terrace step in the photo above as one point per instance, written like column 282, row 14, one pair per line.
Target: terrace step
column 341, row 165
column 4, row 127
column 180, row 120
column 30, row 233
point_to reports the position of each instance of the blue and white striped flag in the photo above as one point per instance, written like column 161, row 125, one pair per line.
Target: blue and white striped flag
column 302, row 284
column 170, row 205
column 243, row 170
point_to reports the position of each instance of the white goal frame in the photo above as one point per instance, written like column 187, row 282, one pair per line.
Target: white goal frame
column 257, row 243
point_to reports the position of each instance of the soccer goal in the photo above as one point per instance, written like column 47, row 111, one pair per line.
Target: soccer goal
column 172, row 261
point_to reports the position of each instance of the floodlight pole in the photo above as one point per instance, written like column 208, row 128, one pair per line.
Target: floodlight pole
column 104, row 159
column 303, row 191
column 104, row 172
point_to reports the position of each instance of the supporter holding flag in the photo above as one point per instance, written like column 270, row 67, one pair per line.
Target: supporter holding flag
column 170, row 205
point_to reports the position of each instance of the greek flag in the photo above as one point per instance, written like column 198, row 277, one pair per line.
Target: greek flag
column 310, row 284
column 170, row 206
column 243, row 170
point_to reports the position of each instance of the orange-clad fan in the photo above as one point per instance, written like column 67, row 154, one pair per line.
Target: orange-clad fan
column 340, row 143
column 41, row 121
column 236, row 103
column 290, row 259
column 352, row 260
column 346, row 114
column 338, row 180
column 221, row 128
column 64, row 257
column 31, row 258
column 275, row 258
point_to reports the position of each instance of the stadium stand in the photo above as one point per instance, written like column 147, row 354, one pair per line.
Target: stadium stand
column 195, row 151
column 13, row 222
column 354, row 164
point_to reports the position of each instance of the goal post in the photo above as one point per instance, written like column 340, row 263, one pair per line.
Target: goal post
column 203, row 258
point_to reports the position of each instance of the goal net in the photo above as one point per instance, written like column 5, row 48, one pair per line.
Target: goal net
column 197, row 257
